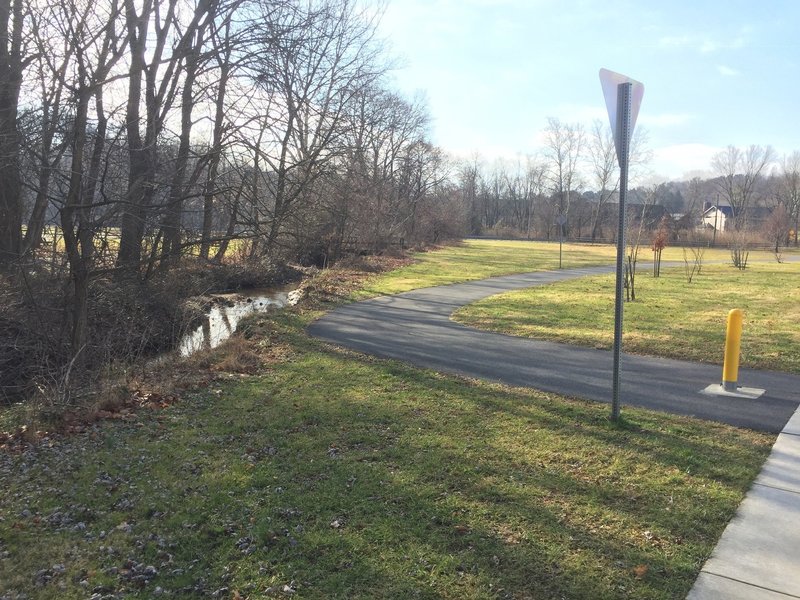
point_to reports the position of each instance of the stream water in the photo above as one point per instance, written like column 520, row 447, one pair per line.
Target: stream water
column 221, row 321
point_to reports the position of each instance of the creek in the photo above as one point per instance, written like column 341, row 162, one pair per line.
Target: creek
column 228, row 309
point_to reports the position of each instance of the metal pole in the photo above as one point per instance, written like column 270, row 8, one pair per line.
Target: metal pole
column 716, row 214
column 623, row 135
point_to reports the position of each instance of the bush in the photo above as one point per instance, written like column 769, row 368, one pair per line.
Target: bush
column 31, row 333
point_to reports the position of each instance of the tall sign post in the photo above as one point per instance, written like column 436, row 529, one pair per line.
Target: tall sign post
column 623, row 97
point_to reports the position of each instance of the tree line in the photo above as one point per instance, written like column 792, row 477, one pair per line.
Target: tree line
column 135, row 133
column 136, row 130
column 572, row 183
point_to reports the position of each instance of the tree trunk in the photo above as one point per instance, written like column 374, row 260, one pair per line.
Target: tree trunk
column 231, row 229
column 159, row 96
column 132, row 222
column 33, row 234
column 10, row 180
column 171, row 248
column 51, row 106
column 216, row 154
column 71, row 226
column 172, row 222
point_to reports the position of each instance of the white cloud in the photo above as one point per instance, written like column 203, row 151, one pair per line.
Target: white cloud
column 706, row 44
column 727, row 71
column 678, row 160
column 664, row 119
column 674, row 41
column 581, row 113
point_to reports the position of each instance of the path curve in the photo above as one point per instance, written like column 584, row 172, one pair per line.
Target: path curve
column 415, row 327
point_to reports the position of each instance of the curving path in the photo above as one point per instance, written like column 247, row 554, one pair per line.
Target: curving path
column 415, row 327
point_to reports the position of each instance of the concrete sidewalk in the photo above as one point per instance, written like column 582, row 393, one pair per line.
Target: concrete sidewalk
column 758, row 555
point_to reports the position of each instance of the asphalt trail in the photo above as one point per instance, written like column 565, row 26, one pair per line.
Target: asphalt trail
column 415, row 327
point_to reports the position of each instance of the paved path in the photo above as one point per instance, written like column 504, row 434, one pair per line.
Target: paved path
column 415, row 327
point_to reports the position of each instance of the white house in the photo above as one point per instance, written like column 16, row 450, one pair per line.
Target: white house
column 714, row 217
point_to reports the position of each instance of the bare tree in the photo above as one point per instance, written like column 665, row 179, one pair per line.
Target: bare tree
column 194, row 61
column 524, row 183
column 739, row 171
column 564, row 144
column 324, row 57
column 53, row 58
column 389, row 127
column 660, row 241
column 776, row 229
column 788, row 192
column 97, row 48
column 469, row 176
column 224, row 44
column 260, row 120
column 693, row 261
column 634, row 236
column 603, row 164
column 159, row 44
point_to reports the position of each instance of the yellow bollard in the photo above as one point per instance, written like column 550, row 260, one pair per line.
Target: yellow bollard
column 730, row 369
column 733, row 343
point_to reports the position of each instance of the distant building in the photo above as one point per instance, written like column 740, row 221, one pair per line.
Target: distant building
column 720, row 217
column 715, row 217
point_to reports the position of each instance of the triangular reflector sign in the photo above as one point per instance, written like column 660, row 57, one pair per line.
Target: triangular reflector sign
column 610, row 82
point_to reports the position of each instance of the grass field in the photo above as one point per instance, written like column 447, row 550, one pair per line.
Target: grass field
column 299, row 470
column 479, row 259
column 108, row 238
column 670, row 316
column 336, row 476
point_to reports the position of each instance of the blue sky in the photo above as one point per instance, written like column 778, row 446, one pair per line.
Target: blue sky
column 492, row 71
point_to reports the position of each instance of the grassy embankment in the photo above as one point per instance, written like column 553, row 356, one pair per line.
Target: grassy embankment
column 305, row 471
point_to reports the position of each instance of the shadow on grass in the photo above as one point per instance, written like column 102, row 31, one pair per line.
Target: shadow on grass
column 336, row 475
column 444, row 478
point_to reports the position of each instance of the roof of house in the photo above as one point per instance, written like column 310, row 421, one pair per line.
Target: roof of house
column 725, row 210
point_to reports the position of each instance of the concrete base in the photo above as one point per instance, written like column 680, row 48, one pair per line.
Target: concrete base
column 718, row 389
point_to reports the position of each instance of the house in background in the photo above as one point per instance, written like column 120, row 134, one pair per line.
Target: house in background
column 720, row 217
column 715, row 217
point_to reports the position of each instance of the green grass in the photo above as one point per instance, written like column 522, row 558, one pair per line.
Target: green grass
column 341, row 476
column 670, row 316
column 479, row 259
column 333, row 475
